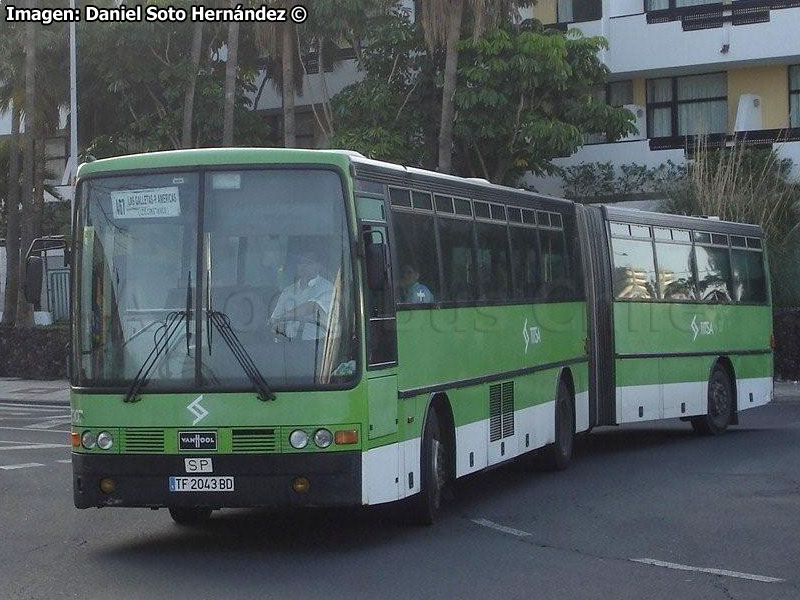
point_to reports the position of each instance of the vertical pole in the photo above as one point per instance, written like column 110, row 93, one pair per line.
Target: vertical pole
column 73, row 106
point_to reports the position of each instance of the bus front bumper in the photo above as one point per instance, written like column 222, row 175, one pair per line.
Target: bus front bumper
column 259, row 480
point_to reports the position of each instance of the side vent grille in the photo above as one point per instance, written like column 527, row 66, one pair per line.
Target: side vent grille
column 495, row 413
column 508, row 409
column 253, row 441
column 501, row 411
column 141, row 440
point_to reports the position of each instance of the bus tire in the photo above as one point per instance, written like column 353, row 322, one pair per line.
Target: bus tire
column 557, row 455
column 424, row 506
column 720, row 405
column 189, row 515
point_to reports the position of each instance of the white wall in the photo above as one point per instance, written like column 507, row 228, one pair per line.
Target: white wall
column 624, row 153
column 344, row 74
column 637, row 46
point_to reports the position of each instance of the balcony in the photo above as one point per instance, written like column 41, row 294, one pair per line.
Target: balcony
column 701, row 37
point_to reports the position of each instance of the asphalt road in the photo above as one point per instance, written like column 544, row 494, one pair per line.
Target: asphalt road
column 655, row 492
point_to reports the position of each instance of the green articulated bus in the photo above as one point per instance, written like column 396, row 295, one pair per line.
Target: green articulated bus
column 270, row 327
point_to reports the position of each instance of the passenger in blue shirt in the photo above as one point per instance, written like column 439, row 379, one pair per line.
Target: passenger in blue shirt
column 414, row 292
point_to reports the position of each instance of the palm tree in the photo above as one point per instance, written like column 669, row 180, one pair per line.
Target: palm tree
column 441, row 24
column 287, row 74
column 11, row 100
column 231, row 66
column 279, row 42
column 24, row 309
column 12, row 215
column 188, row 99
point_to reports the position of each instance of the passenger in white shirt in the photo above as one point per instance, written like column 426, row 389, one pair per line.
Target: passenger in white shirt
column 302, row 308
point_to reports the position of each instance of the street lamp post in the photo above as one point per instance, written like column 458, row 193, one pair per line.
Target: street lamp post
column 73, row 106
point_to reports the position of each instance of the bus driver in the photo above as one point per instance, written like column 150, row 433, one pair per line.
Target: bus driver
column 302, row 308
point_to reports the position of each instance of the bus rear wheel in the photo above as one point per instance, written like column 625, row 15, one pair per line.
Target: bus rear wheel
column 557, row 456
column 424, row 506
column 189, row 515
column 720, row 405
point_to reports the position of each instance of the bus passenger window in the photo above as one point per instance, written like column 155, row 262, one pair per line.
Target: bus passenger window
column 555, row 283
column 494, row 268
column 525, row 252
column 749, row 282
column 675, row 273
column 634, row 272
column 417, row 269
column 458, row 265
column 714, row 274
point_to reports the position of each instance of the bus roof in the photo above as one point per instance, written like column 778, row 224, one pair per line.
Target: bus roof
column 202, row 157
column 631, row 215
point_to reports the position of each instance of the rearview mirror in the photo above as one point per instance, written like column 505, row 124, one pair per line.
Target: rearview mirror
column 34, row 268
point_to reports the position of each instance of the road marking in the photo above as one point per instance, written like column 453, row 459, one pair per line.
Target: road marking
column 51, row 423
column 35, row 447
column 502, row 528
column 724, row 572
column 32, row 408
column 37, row 430
column 22, row 466
column 65, row 462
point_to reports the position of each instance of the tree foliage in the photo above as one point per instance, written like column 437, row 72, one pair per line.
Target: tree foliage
column 525, row 95
column 132, row 81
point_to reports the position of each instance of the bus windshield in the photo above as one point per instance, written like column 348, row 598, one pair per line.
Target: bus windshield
column 260, row 263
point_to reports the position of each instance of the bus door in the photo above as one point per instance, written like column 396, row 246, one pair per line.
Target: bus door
column 600, row 342
column 380, row 320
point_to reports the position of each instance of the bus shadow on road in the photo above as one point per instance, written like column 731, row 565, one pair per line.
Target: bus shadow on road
column 303, row 533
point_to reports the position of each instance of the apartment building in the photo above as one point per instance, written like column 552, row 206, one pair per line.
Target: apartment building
column 683, row 67
column 688, row 67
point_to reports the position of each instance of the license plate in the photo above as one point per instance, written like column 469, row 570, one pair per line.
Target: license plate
column 201, row 484
column 198, row 465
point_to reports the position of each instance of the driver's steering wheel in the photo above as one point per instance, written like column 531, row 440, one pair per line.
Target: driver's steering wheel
column 285, row 320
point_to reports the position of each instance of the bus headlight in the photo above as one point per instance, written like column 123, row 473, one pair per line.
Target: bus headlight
column 105, row 440
column 323, row 438
column 298, row 439
column 88, row 440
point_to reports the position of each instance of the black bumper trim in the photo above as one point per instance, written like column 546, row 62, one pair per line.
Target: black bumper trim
column 260, row 480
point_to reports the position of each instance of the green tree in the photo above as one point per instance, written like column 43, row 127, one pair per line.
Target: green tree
column 392, row 113
column 133, row 80
column 441, row 21
column 231, row 68
column 527, row 97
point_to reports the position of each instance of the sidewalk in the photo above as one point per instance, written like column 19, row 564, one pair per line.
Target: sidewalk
column 26, row 391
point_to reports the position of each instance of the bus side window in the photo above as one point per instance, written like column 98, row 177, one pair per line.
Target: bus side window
column 749, row 281
column 494, row 267
column 417, row 271
column 555, row 284
column 458, row 264
column 634, row 272
column 525, row 252
column 714, row 274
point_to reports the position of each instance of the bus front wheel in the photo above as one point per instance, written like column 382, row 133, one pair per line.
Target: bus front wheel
column 720, row 405
column 185, row 515
column 424, row 506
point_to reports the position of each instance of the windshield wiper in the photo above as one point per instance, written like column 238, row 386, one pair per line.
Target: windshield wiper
column 223, row 323
column 161, row 342
column 162, row 338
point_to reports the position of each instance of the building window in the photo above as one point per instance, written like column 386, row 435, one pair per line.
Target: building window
column 616, row 93
column 664, row 4
column 794, row 96
column 690, row 105
column 578, row 11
